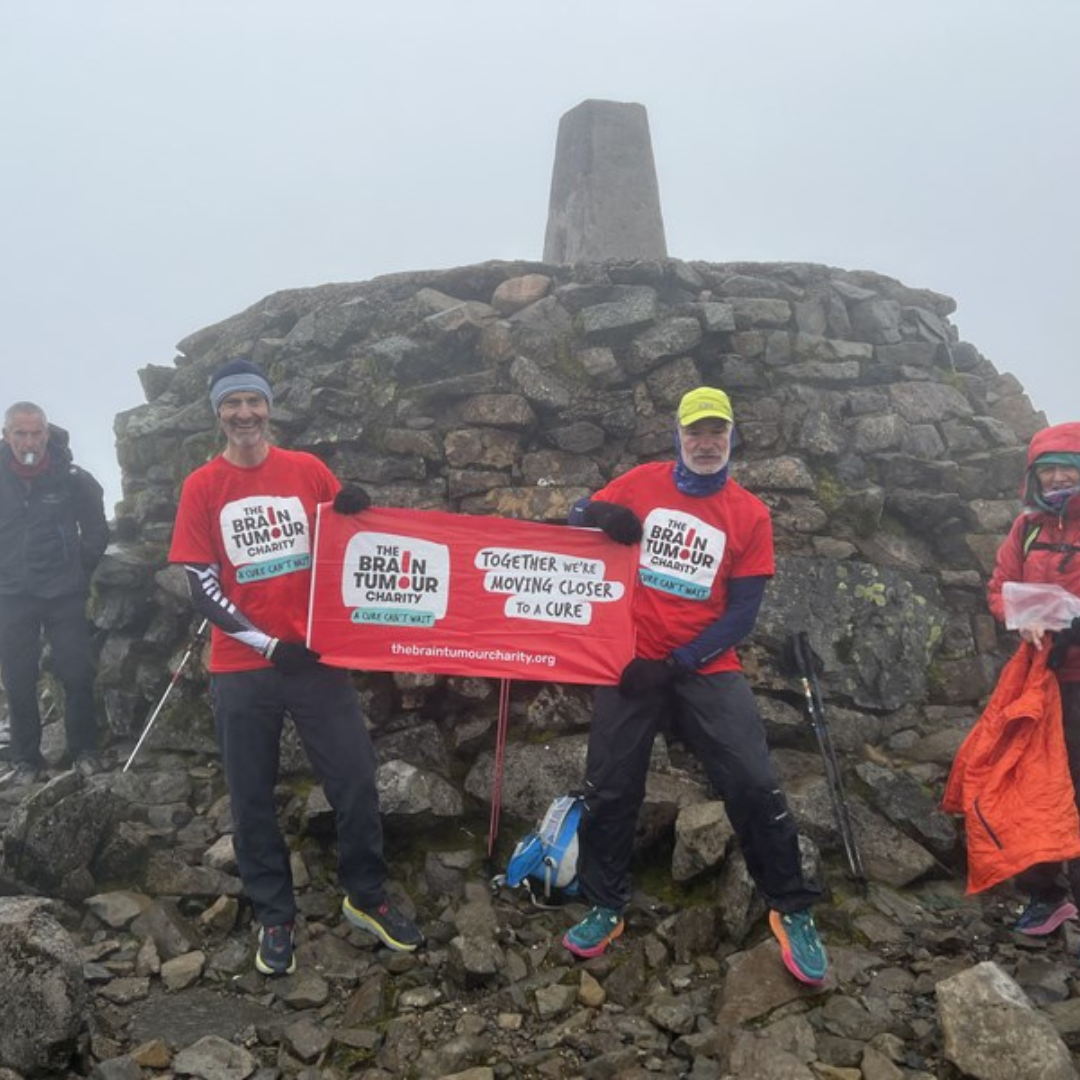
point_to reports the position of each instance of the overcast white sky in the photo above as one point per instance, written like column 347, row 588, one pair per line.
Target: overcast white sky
column 165, row 164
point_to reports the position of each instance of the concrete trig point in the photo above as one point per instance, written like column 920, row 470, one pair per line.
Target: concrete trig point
column 605, row 203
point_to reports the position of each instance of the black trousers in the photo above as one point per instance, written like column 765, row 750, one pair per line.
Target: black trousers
column 1044, row 881
column 717, row 719
column 62, row 620
column 249, row 711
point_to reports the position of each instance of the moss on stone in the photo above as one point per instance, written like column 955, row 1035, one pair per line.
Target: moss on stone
column 652, row 875
column 874, row 593
column 829, row 491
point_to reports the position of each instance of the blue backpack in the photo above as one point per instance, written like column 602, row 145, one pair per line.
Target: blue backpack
column 547, row 856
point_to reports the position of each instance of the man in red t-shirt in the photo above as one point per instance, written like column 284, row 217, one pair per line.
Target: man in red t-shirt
column 706, row 552
column 243, row 534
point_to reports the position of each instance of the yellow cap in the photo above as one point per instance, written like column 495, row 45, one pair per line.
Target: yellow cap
column 705, row 403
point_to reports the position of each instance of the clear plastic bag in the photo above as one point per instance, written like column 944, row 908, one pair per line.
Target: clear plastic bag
column 1048, row 606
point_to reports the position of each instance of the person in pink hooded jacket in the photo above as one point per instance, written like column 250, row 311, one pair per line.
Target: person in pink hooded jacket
column 1043, row 546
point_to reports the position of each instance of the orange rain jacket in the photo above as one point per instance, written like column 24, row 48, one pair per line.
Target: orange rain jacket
column 1011, row 777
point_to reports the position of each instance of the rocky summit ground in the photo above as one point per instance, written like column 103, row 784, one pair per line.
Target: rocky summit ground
column 924, row 981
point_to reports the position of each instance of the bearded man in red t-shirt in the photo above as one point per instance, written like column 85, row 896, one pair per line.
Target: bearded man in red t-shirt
column 243, row 534
column 706, row 552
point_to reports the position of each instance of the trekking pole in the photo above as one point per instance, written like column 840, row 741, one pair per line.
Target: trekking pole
column 168, row 690
column 804, row 658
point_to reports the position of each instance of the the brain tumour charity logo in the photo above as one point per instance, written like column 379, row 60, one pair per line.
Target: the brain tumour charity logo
column 395, row 580
column 546, row 585
column 266, row 536
column 680, row 554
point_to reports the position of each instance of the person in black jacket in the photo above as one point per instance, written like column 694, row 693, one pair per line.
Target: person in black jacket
column 53, row 533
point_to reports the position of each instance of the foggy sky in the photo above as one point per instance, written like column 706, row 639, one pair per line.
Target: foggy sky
column 167, row 164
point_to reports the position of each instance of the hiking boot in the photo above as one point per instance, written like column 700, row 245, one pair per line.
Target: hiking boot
column 87, row 763
column 275, row 955
column 390, row 925
column 595, row 932
column 800, row 947
column 1042, row 917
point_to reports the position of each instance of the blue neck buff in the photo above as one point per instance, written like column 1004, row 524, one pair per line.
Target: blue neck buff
column 692, row 483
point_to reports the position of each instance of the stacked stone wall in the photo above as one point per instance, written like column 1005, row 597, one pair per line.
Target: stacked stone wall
column 889, row 451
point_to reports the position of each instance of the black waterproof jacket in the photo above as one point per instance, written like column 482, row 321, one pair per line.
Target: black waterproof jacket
column 53, row 529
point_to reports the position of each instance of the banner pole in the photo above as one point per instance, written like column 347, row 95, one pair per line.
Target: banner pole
column 500, row 753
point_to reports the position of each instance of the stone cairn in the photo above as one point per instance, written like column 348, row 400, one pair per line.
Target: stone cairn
column 889, row 452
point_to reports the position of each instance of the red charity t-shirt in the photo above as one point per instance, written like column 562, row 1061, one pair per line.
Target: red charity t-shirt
column 256, row 524
column 691, row 547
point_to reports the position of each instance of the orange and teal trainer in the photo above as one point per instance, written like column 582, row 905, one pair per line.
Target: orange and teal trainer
column 800, row 946
column 595, row 932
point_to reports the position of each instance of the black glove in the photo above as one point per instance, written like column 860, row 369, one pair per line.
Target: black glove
column 1063, row 641
column 292, row 657
column 351, row 499
column 620, row 523
column 641, row 676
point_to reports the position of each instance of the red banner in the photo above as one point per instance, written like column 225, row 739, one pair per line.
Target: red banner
column 455, row 594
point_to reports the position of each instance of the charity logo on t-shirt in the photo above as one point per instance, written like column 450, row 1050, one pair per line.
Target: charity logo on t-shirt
column 265, row 536
column 680, row 554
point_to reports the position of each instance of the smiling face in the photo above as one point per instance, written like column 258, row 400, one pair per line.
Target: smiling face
column 27, row 433
column 706, row 446
column 1057, row 477
column 244, row 416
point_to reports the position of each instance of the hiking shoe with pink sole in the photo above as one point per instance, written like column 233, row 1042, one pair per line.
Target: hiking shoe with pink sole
column 1042, row 917
column 800, row 946
column 595, row 932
